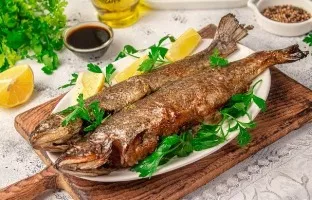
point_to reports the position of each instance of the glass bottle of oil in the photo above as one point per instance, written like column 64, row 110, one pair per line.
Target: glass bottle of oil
column 117, row 13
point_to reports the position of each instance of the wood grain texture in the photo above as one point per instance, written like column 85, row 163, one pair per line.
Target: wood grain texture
column 289, row 107
column 31, row 187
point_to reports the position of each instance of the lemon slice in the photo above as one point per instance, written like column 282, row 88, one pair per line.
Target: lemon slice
column 88, row 84
column 16, row 86
column 184, row 45
column 130, row 71
column 91, row 83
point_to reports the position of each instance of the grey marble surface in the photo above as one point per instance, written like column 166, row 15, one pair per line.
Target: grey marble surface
column 280, row 171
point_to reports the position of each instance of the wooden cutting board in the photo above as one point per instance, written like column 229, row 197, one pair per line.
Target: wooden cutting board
column 289, row 107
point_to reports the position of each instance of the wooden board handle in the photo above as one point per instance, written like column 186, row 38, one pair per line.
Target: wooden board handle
column 31, row 187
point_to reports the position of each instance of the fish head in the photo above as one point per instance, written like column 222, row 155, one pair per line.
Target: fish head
column 52, row 136
column 86, row 158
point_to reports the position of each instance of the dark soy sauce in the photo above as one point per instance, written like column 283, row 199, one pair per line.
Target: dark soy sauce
column 88, row 37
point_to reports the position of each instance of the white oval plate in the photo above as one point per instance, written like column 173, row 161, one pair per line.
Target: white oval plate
column 261, row 91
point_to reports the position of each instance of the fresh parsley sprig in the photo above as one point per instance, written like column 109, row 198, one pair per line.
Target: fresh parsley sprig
column 174, row 145
column 156, row 56
column 92, row 114
column 308, row 39
column 72, row 81
column 216, row 60
column 109, row 71
column 31, row 29
column 128, row 50
column 207, row 136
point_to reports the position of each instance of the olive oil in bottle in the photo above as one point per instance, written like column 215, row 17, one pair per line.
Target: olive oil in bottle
column 117, row 13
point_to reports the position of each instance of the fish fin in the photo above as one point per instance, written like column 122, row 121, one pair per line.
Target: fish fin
column 229, row 32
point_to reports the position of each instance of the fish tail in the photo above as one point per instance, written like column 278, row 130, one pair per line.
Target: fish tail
column 290, row 54
column 230, row 32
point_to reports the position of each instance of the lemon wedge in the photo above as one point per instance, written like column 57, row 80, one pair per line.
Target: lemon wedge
column 88, row 84
column 184, row 45
column 130, row 71
column 16, row 86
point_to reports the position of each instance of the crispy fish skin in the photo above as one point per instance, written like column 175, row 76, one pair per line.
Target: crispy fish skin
column 131, row 134
column 51, row 136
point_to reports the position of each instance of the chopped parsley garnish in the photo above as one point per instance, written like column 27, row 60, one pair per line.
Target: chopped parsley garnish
column 207, row 136
column 308, row 39
column 92, row 114
column 216, row 60
column 31, row 29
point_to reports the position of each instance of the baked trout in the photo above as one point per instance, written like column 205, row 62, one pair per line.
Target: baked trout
column 133, row 133
column 50, row 135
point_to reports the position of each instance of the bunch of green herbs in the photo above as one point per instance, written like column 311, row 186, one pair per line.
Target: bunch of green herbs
column 31, row 29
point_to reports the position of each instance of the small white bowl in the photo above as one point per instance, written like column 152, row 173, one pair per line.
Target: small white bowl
column 279, row 28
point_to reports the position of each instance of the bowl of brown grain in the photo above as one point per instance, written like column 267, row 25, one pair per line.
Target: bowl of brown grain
column 283, row 17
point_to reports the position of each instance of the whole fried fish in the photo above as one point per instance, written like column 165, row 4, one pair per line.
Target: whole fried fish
column 50, row 135
column 133, row 133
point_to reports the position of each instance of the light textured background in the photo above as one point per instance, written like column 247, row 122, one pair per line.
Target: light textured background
column 280, row 171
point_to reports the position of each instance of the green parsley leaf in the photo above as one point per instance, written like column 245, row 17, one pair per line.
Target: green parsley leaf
column 172, row 38
column 185, row 147
column 94, row 68
column 155, row 58
column 308, row 39
column 16, row 39
column 243, row 137
column 97, row 115
column 163, row 39
column 4, row 65
column 127, row 50
column 250, row 124
column 147, row 65
column 200, row 144
column 149, row 165
column 181, row 149
column 259, row 102
column 110, row 69
column 92, row 115
column 68, row 110
column 71, row 81
column 47, row 70
column 217, row 61
column 74, row 115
